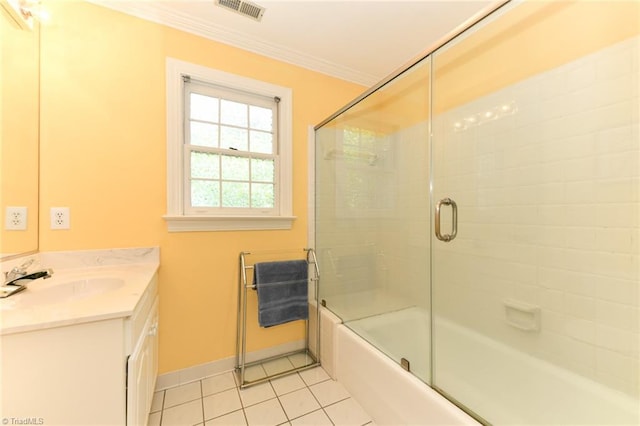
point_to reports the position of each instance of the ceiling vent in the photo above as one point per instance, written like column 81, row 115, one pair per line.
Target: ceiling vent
column 246, row 8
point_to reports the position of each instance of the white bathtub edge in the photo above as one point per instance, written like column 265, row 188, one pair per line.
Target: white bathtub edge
column 390, row 395
column 328, row 323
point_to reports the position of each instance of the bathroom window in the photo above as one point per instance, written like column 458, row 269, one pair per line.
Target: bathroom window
column 229, row 151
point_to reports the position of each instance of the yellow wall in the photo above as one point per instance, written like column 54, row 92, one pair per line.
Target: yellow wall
column 103, row 154
column 18, row 132
column 529, row 39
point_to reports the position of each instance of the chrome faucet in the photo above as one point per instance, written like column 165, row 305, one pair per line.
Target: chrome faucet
column 19, row 273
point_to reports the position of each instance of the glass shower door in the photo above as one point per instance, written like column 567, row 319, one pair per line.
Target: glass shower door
column 536, row 166
column 372, row 217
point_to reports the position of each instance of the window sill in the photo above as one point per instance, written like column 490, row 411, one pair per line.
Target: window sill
column 227, row 223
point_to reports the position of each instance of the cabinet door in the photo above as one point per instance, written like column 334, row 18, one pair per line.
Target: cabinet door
column 141, row 372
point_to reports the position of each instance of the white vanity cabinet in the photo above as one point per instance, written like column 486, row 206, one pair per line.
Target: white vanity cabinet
column 142, row 370
column 100, row 370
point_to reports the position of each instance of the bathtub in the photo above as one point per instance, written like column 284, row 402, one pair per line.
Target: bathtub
column 389, row 394
column 393, row 396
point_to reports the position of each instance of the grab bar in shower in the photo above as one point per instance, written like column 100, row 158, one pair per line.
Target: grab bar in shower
column 454, row 220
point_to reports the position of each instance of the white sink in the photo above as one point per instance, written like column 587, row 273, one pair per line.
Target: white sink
column 67, row 291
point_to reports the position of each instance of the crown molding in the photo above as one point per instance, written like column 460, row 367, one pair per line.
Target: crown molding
column 162, row 14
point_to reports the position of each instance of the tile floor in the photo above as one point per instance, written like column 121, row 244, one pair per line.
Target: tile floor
column 309, row 397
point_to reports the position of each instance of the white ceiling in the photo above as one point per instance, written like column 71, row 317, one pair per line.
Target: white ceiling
column 362, row 41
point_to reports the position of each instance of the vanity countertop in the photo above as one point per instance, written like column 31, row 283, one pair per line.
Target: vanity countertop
column 85, row 286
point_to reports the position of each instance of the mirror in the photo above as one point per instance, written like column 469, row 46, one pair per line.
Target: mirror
column 19, row 132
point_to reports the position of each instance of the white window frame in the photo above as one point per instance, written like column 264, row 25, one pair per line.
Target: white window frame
column 245, row 98
column 176, row 218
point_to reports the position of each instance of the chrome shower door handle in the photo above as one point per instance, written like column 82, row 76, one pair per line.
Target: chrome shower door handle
column 454, row 220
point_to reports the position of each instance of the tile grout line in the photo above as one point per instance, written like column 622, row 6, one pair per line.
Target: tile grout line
column 244, row 413
column 317, row 400
column 236, row 380
column 322, row 407
column 306, row 386
column 162, row 407
column 202, row 402
column 280, row 402
column 273, row 389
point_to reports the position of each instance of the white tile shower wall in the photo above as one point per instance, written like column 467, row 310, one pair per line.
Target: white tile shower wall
column 550, row 215
column 407, row 241
column 382, row 249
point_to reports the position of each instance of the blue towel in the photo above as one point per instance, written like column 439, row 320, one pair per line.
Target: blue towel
column 282, row 291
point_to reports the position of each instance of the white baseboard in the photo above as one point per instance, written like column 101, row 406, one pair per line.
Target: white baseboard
column 198, row 372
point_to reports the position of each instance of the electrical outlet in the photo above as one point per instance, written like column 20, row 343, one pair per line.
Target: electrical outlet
column 15, row 219
column 60, row 218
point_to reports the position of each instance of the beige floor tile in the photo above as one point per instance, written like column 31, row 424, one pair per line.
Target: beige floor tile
column 316, row 418
column 254, row 372
column 301, row 360
column 183, row 415
column 287, row 384
column 329, row 392
column 154, row 419
column 255, row 394
column 267, row 413
column 218, row 383
column 298, row 403
column 232, row 419
column 157, row 402
column 182, row 394
column 347, row 413
column 314, row 375
column 221, row 403
column 277, row 366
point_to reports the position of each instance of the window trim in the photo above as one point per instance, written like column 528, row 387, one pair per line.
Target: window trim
column 176, row 220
